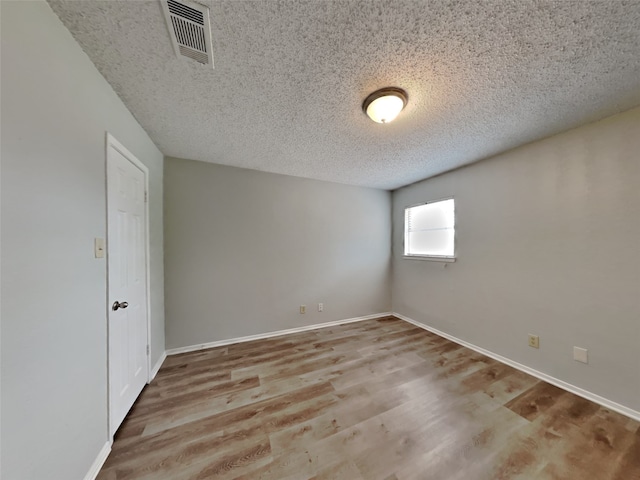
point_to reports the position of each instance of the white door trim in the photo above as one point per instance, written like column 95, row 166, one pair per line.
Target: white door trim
column 112, row 142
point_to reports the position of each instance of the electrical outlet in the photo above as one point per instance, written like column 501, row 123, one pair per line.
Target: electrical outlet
column 580, row 354
column 320, row 307
column 534, row 341
column 303, row 309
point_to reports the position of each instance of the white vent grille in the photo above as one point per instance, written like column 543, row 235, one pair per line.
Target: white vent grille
column 190, row 30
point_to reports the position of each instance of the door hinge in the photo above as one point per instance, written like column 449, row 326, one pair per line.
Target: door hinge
column 147, row 349
column 145, row 197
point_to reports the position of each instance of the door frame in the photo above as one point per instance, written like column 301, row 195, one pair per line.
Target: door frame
column 111, row 142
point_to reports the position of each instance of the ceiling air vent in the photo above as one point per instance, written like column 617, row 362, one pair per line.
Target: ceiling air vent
column 190, row 30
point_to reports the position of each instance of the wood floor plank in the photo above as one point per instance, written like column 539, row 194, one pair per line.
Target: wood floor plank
column 377, row 399
column 535, row 401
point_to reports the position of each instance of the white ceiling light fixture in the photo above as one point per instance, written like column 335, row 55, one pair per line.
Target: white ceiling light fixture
column 384, row 105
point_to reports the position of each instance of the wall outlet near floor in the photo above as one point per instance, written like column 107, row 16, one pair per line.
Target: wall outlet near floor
column 580, row 354
column 534, row 341
column 303, row 309
column 321, row 307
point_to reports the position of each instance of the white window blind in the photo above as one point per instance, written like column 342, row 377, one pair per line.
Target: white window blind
column 429, row 229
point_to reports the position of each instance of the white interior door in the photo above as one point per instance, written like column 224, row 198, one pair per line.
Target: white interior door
column 127, row 267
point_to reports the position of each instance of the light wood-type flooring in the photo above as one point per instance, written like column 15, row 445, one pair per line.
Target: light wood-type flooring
column 378, row 399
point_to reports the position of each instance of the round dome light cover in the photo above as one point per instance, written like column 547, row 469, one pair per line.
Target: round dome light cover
column 384, row 105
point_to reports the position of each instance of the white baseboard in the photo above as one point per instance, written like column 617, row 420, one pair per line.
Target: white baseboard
column 261, row 336
column 98, row 462
column 605, row 402
column 156, row 368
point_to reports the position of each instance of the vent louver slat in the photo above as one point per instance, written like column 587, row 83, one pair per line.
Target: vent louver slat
column 190, row 30
column 200, row 57
column 184, row 11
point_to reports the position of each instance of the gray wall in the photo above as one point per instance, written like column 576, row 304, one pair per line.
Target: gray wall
column 56, row 109
column 244, row 249
column 548, row 242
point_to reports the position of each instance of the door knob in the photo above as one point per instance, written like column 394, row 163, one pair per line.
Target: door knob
column 116, row 305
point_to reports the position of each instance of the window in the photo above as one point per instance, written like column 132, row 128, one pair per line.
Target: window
column 429, row 230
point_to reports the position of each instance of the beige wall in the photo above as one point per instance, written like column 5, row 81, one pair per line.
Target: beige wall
column 548, row 242
column 56, row 110
column 244, row 249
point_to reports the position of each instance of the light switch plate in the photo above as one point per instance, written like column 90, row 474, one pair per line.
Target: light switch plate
column 580, row 354
column 98, row 247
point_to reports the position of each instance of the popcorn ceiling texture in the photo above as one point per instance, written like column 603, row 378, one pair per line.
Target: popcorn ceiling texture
column 290, row 77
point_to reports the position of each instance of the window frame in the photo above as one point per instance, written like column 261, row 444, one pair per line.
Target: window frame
column 431, row 258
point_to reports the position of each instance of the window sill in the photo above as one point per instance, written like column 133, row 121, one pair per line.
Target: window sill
column 429, row 259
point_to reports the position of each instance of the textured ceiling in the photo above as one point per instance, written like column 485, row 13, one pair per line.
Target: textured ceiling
column 290, row 77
